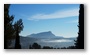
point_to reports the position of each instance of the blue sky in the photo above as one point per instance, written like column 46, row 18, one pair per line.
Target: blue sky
column 61, row 19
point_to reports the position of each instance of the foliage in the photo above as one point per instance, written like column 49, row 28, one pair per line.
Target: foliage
column 80, row 39
column 11, row 31
column 35, row 46
column 8, row 26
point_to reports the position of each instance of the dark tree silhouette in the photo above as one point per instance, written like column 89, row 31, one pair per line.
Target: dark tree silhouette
column 11, row 31
column 80, row 39
column 47, row 47
column 18, row 26
column 8, row 26
column 30, row 47
column 35, row 46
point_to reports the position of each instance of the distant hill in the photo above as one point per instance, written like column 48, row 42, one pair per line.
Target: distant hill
column 47, row 34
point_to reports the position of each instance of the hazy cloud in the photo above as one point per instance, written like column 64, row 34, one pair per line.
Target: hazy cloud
column 57, row 14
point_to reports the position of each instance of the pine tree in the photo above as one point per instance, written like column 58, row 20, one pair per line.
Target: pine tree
column 18, row 26
column 8, row 26
column 80, row 39
column 11, row 31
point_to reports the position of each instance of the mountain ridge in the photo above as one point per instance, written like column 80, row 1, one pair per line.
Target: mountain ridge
column 47, row 34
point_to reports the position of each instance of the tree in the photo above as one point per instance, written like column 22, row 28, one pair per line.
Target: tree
column 80, row 39
column 18, row 26
column 36, row 46
column 47, row 47
column 11, row 31
column 8, row 26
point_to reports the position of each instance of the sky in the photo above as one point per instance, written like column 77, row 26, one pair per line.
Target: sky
column 60, row 19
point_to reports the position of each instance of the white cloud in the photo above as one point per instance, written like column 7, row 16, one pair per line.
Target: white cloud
column 57, row 14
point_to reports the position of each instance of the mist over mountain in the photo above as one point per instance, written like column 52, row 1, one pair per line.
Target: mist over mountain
column 47, row 34
column 44, row 38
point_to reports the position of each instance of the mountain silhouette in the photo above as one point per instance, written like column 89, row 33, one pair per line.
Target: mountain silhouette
column 47, row 34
